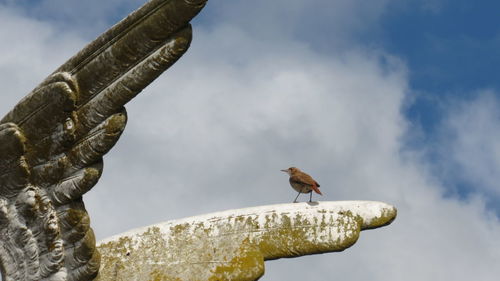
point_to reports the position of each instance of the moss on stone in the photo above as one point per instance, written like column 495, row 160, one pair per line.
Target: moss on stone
column 386, row 218
column 246, row 265
column 231, row 247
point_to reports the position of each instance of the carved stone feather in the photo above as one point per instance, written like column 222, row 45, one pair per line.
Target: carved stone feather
column 53, row 141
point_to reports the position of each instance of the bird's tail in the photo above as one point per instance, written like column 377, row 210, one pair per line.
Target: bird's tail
column 316, row 189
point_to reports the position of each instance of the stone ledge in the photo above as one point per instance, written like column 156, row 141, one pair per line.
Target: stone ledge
column 233, row 244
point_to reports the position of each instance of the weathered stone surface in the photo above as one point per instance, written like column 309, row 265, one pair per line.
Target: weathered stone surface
column 233, row 245
column 53, row 141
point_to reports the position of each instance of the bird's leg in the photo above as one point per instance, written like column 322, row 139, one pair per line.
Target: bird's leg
column 310, row 196
column 295, row 201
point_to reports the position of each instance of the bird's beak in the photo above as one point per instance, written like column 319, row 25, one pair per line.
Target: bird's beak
column 286, row 171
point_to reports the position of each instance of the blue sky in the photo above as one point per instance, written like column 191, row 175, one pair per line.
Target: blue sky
column 450, row 49
column 390, row 100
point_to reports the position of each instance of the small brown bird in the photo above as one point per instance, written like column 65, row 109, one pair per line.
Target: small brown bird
column 302, row 182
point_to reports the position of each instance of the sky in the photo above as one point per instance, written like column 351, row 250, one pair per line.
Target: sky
column 385, row 100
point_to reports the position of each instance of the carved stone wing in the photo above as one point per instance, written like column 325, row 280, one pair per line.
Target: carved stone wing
column 233, row 245
column 53, row 141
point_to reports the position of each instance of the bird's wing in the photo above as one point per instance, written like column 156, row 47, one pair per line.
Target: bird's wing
column 304, row 178
column 53, row 141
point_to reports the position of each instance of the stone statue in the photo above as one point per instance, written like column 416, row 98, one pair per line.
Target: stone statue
column 51, row 149
column 234, row 244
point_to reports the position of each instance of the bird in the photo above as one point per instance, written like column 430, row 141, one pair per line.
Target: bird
column 302, row 182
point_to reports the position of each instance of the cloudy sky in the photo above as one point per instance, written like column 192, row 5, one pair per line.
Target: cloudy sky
column 388, row 100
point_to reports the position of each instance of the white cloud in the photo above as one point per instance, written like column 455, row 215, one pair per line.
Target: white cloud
column 30, row 51
column 470, row 143
column 213, row 132
column 329, row 25
column 90, row 17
